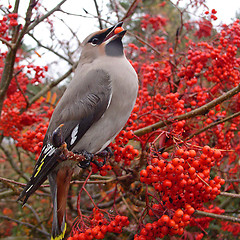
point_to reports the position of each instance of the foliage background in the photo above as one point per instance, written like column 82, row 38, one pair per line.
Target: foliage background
column 185, row 66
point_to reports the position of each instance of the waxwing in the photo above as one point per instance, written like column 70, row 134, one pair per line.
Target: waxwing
column 92, row 111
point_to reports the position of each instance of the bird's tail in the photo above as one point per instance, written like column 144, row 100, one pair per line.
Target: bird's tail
column 46, row 162
column 59, row 183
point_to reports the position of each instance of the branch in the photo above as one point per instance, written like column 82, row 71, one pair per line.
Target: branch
column 121, row 178
column 98, row 14
column 232, row 195
column 26, row 224
column 17, row 37
column 6, row 42
column 217, row 216
column 57, row 8
column 36, row 216
column 131, row 9
column 52, row 85
column 213, row 124
column 50, row 49
column 199, row 111
column 12, row 163
column 12, row 181
column 232, row 180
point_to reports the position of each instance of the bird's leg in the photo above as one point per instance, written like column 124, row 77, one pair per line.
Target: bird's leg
column 83, row 157
column 89, row 157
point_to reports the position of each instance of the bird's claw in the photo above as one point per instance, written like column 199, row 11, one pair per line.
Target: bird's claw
column 107, row 152
column 88, row 159
column 99, row 164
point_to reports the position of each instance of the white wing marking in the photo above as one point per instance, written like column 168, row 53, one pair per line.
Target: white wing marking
column 74, row 135
column 110, row 99
column 29, row 188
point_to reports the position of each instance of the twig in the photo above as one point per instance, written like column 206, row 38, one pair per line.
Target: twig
column 199, row 111
column 57, row 8
column 98, row 14
column 144, row 42
column 51, row 49
column 51, row 85
column 36, row 216
column 6, row 194
column 128, row 207
column 26, row 224
column 131, row 9
column 213, row 124
column 12, row 163
column 19, row 87
column 218, row 216
column 232, row 195
column 232, row 180
column 6, row 42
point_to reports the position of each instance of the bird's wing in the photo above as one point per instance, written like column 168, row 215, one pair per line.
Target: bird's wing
column 78, row 109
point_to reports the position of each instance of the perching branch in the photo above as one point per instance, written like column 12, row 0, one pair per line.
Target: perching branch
column 199, row 111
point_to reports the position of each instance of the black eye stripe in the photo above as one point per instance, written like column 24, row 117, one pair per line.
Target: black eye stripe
column 95, row 40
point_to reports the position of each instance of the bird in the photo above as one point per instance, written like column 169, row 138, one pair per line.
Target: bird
column 92, row 111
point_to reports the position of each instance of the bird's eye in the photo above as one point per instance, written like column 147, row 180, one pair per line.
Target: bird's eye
column 94, row 41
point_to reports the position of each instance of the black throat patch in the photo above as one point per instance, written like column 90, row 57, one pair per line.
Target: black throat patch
column 114, row 48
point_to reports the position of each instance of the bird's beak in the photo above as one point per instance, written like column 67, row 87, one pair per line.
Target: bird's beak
column 111, row 35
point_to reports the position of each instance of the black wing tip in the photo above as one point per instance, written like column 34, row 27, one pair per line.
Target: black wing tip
column 22, row 199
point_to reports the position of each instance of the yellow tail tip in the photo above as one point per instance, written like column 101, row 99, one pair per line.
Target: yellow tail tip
column 61, row 236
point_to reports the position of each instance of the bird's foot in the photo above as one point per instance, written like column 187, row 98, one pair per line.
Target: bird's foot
column 88, row 159
column 107, row 152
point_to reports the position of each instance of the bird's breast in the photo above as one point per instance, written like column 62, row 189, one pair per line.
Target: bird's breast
column 124, row 86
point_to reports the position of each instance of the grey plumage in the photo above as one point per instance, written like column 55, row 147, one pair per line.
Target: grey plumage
column 93, row 110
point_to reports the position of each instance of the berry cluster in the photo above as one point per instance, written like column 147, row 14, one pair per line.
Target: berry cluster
column 212, row 14
column 32, row 140
column 13, row 19
column 99, row 226
column 234, row 228
column 178, row 181
column 39, row 73
column 121, row 152
column 172, row 224
column 156, row 22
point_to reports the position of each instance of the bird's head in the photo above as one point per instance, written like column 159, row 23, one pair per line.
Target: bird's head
column 104, row 42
